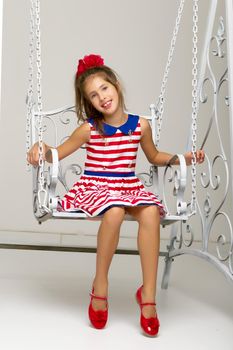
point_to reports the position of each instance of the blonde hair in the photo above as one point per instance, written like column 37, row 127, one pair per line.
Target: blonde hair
column 84, row 107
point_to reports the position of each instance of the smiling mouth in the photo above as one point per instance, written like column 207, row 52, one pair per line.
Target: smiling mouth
column 107, row 105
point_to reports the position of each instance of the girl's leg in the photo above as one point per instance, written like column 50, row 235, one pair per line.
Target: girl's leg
column 148, row 245
column 107, row 241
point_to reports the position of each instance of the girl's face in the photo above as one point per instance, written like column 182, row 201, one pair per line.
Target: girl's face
column 102, row 95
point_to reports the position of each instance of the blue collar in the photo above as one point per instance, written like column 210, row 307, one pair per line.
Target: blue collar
column 126, row 128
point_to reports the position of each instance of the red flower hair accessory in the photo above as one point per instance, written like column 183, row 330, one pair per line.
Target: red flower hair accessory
column 89, row 61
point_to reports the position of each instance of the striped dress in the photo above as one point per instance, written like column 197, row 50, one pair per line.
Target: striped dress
column 109, row 176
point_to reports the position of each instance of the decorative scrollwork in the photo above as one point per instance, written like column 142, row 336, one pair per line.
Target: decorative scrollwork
column 220, row 38
column 214, row 179
column 146, row 178
column 176, row 182
column 185, row 236
column 203, row 95
column 64, row 119
column 46, row 120
column 224, row 244
column 169, row 178
column 178, row 178
column 75, row 169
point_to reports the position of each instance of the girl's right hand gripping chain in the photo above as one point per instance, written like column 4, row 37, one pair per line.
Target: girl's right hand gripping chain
column 33, row 154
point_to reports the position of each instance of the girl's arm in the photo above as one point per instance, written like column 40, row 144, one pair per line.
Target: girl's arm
column 79, row 137
column 161, row 158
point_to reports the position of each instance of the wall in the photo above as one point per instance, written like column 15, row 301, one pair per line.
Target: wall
column 1, row 6
column 134, row 38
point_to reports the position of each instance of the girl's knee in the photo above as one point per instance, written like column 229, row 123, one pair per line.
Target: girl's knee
column 150, row 215
column 114, row 215
column 154, row 210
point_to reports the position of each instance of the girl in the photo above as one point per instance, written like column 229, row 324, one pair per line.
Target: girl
column 109, row 185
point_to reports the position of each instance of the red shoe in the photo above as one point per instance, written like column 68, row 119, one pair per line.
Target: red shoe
column 98, row 318
column 150, row 325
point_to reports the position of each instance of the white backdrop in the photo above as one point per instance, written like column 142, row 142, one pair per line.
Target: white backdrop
column 134, row 39
column 1, row 5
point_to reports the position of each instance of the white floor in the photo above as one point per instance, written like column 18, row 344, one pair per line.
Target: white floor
column 44, row 299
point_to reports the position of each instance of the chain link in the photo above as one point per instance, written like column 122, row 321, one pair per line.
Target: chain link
column 194, row 105
column 159, row 108
column 35, row 47
column 29, row 99
column 42, row 203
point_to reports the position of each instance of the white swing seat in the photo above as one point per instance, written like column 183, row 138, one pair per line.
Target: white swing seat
column 55, row 214
column 47, row 208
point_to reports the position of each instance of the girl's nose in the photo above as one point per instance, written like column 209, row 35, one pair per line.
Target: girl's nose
column 102, row 97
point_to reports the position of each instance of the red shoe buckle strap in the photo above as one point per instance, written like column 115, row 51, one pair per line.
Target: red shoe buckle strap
column 145, row 304
column 99, row 298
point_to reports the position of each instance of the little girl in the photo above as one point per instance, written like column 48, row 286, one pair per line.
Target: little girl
column 109, row 186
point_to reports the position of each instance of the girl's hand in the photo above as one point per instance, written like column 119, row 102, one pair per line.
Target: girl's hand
column 200, row 157
column 33, row 154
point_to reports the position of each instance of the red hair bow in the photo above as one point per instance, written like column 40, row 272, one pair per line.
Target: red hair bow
column 89, row 61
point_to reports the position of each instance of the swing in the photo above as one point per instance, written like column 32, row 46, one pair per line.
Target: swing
column 47, row 178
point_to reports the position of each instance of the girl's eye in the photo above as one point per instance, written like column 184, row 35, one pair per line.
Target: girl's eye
column 92, row 96
column 105, row 88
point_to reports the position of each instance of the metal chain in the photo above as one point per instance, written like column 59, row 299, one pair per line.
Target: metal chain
column 29, row 99
column 42, row 193
column 194, row 105
column 159, row 108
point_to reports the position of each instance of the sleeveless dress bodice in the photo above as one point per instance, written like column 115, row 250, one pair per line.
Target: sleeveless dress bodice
column 109, row 173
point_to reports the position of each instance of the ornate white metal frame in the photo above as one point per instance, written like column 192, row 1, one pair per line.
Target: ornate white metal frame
column 218, row 251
